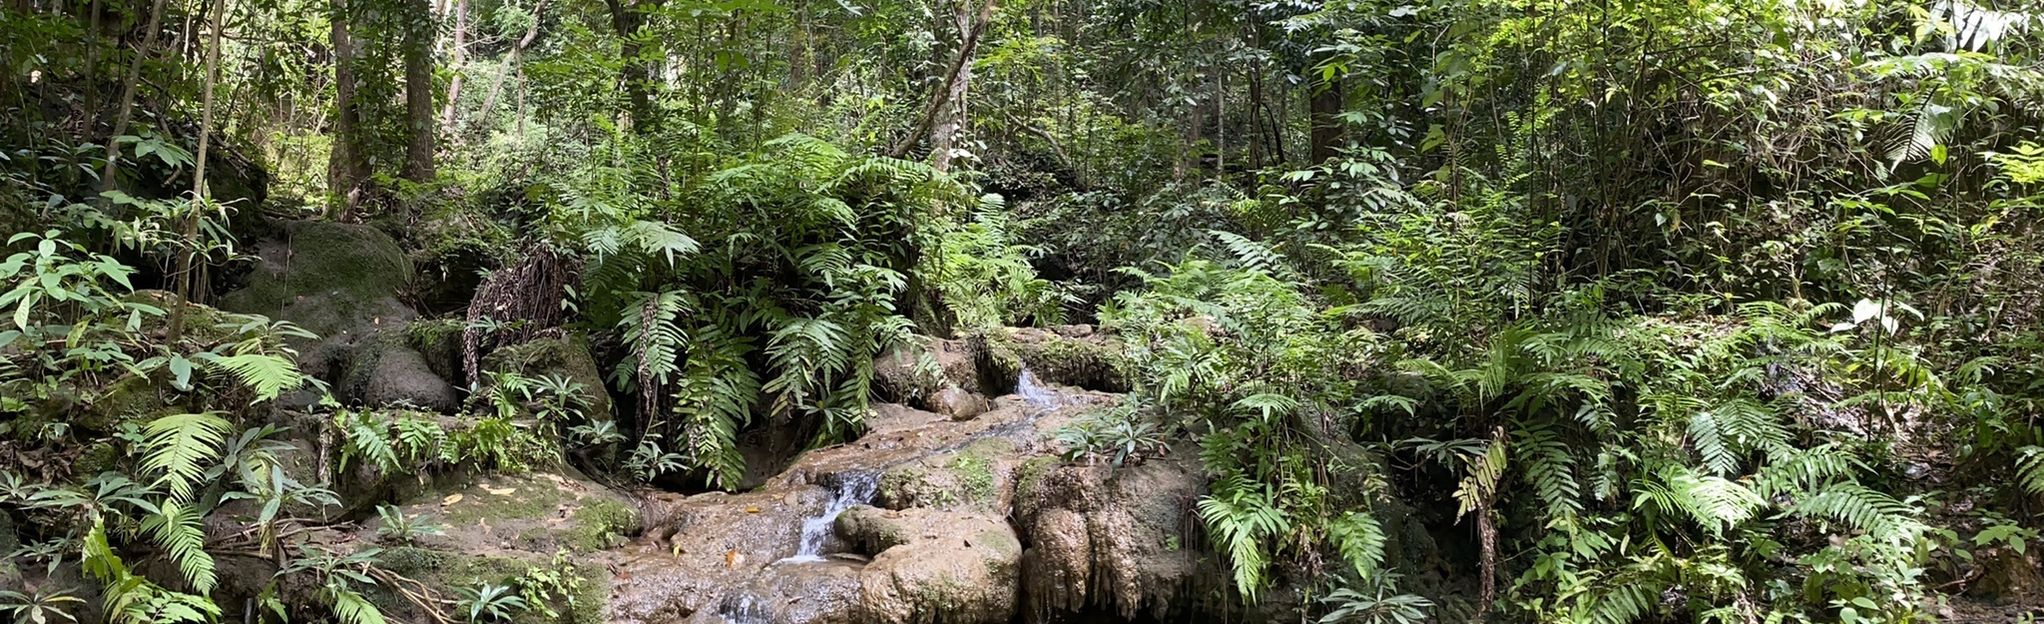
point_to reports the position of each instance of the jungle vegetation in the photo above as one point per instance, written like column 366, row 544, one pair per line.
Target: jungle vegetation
column 1668, row 310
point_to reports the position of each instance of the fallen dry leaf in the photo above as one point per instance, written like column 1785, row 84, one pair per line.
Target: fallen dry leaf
column 451, row 499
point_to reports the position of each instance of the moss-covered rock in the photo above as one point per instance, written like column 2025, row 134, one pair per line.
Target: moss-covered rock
column 382, row 371
column 439, row 341
column 575, row 588
column 132, row 398
column 978, row 475
column 533, row 512
column 1073, row 356
column 565, row 356
column 337, row 280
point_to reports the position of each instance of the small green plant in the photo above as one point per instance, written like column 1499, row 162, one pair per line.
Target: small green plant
column 404, row 529
column 490, row 602
column 1117, row 435
column 36, row 606
column 543, row 587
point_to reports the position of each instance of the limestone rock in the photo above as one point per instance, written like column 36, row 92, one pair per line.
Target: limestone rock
column 958, row 566
column 958, row 404
column 1073, row 355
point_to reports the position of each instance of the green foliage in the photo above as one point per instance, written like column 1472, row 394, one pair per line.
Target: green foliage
column 490, row 603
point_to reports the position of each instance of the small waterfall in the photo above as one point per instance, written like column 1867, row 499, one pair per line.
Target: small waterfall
column 1035, row 394
column 746, row 610
column 853, row 488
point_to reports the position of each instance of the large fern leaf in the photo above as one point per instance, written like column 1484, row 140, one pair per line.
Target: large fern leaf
column 176, row 527
column 179, row 446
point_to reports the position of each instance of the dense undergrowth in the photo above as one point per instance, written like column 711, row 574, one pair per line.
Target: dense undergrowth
column 1661, row 311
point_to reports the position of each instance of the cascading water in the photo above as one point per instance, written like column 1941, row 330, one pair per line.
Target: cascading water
column 853, row 488
column 1035, row 394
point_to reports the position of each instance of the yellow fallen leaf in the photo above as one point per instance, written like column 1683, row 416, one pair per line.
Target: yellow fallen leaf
column 501, row 492
column 752, row 509
column 451, row 499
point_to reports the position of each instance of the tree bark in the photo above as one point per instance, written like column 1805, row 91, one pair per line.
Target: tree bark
column 968, row 45
column 1323, row 110
column 113, row 148
column 347, row 167
column 459, row 53
column 946, row 134
column 418, row 61
column 627, row 17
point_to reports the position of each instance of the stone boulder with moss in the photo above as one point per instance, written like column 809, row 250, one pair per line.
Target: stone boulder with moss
column 537, row 529
column 338, row 280
column 978, row 475
column 383, row 371
column 1072, row 355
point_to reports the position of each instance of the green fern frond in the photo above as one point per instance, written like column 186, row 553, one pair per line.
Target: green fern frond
column 178, row 447
column 2030, row 469
column 177, row 527
column 268, row 375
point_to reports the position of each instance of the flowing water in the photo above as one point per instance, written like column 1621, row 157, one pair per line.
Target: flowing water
column 858, row 488
column 853, row 488
column 1035, row 393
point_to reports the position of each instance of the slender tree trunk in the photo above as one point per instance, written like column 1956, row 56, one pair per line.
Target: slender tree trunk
column 511, row 64
column 113, row 149
column 418, row 61
column 627, row 17
column 186, row 275
column 1324, row 109
column 347, row 169
column 460, row 52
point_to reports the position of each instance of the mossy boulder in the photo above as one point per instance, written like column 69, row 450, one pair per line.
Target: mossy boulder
column 1073, row 355
column 565, row 356
column 439, row 341
column 532, row 512
column 383, row 371
column 576, row 586
column 338, row 280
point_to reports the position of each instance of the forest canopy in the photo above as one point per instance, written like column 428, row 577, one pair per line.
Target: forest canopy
column 1445, row 310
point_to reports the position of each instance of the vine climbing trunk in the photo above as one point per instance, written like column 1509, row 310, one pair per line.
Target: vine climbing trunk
column 952, row 86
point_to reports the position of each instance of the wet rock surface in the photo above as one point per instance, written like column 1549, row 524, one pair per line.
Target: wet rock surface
column 940, row 546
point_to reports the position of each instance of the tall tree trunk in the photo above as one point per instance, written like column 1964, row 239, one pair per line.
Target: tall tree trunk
column 968, row 45
column 347, row 165
column 460, row 52
column 627, row 17
column 113, row 149
column 946, row 135
column 418, row 61
column 1324, row 110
